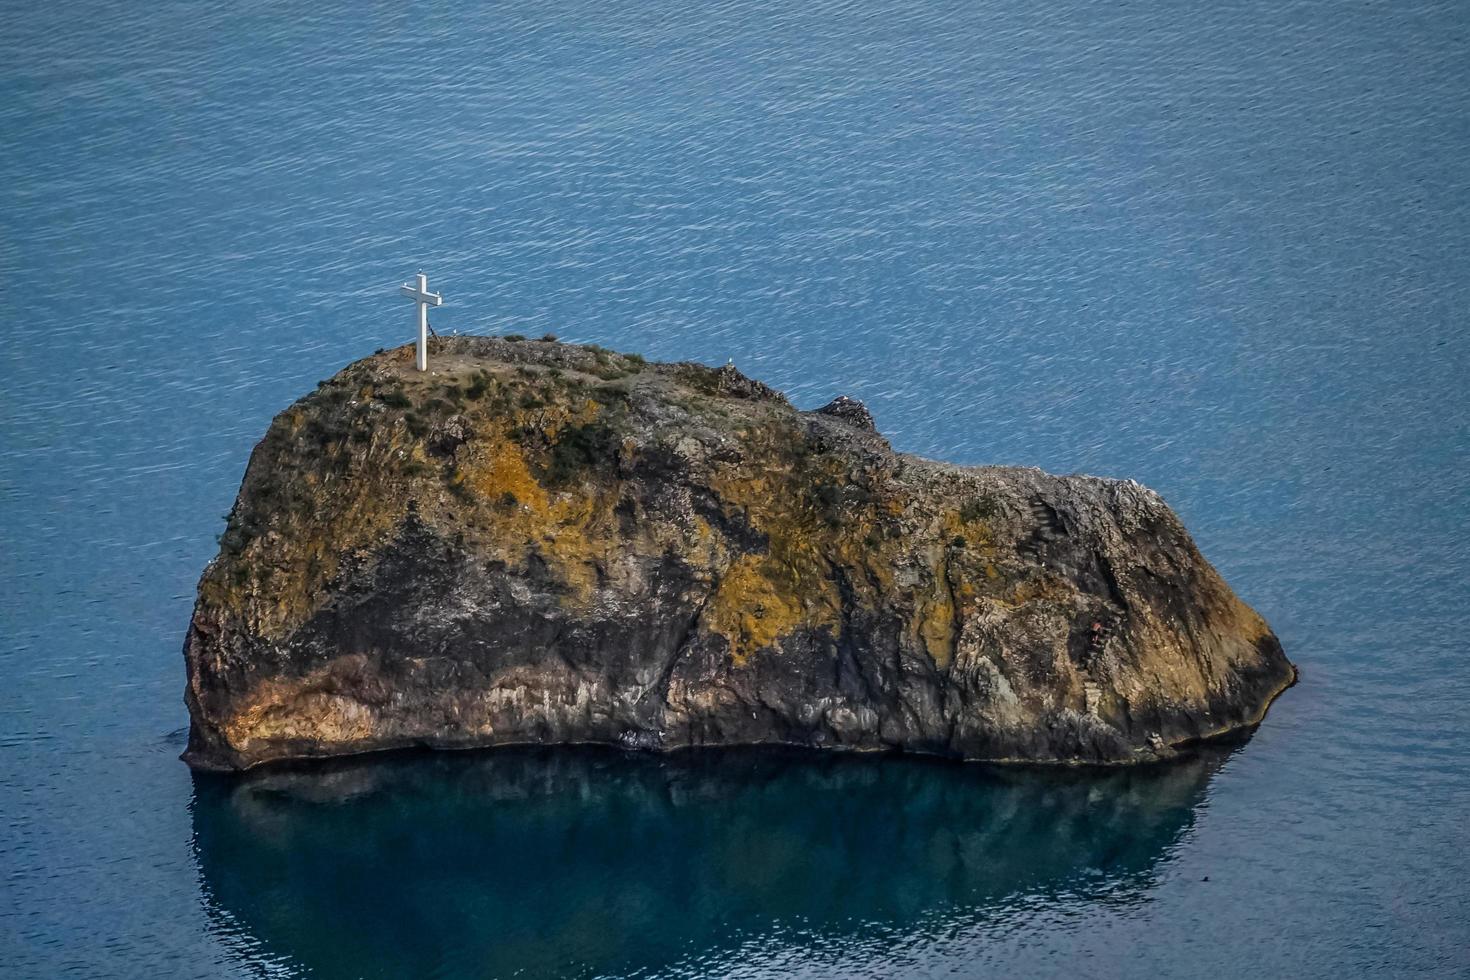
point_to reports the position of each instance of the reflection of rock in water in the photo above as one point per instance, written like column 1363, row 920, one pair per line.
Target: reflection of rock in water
column 594, row 861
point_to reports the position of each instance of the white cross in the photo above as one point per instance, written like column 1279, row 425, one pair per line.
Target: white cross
column 419, row 293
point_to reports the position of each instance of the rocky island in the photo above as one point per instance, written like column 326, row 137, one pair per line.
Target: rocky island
column 538, row 542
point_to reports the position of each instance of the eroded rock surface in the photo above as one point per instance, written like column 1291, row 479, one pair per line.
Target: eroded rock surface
column 542, row 542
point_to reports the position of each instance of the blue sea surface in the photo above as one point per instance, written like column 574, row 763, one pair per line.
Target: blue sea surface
column 1220, row 248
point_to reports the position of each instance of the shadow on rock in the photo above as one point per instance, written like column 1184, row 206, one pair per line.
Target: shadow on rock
column 588, row 862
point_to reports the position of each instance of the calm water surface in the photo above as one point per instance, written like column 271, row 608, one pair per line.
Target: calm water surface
column 1219, row 248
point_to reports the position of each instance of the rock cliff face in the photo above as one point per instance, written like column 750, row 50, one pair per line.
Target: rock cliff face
column 540, row 542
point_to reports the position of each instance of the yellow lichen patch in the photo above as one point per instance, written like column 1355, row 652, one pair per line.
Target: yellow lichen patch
column 572, row 529
column 315, row 494
column 975, row 531
column 303, row 507
column 936, row 628
column 1245, row 622
column 495, row 467
column 1046, row 588
column 583, row 542
column 756, row 604
column 859, row 547
column 813, row 525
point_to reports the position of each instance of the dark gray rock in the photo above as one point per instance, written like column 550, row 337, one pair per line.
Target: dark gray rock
column 851, row 411
column 538, row 542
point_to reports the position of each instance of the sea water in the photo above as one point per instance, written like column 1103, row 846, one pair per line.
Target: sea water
column 1220, row 248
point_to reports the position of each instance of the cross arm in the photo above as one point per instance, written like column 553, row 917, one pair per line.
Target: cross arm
column 413, row 293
